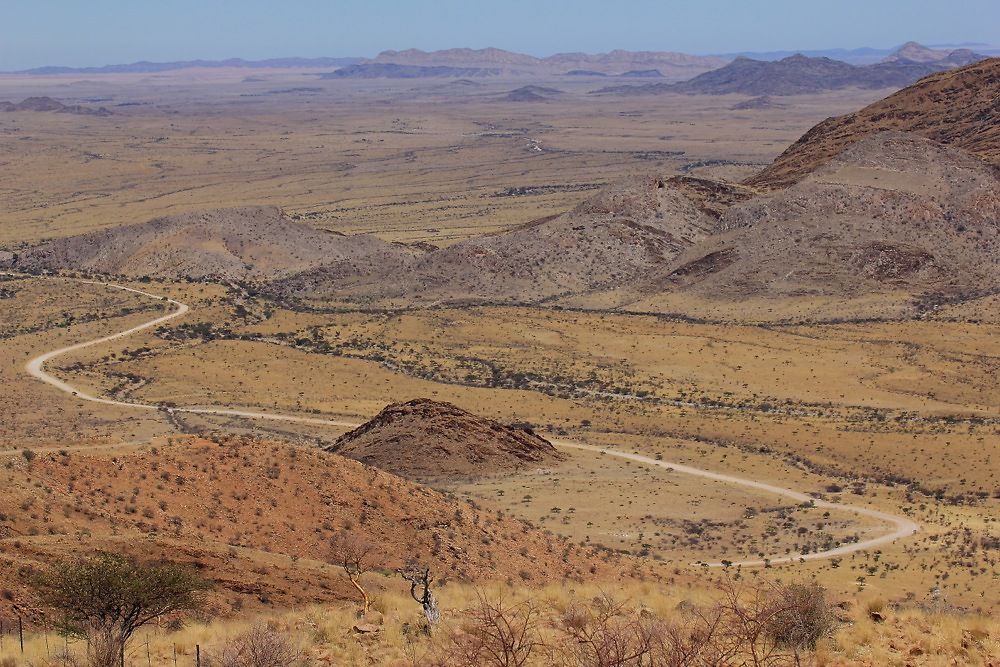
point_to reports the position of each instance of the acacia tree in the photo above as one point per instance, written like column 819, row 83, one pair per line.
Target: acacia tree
column 354, row 555
column 107, row 597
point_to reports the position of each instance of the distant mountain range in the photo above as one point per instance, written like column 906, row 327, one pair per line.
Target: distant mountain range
column 862, row 56
column 497, row 62
column 447, row 62
column 146, row 67
column 464, row 62
column 800, row 74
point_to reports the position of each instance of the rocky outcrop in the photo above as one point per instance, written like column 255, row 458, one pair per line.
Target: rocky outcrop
column 423, row 439
column 958, row 108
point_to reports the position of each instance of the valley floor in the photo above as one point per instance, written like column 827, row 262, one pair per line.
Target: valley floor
column 598, row 501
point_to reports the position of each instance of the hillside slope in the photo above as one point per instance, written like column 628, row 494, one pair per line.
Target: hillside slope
column 614, row 238
column 893, row 213
column 422, row 439
column 959, row 107
column 256, row 517
column 235, row 243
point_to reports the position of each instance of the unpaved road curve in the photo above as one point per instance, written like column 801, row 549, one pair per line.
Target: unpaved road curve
column 36, row 368
column 901, row 526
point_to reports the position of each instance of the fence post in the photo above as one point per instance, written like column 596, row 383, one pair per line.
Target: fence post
column 20, row 632
column 197, row 653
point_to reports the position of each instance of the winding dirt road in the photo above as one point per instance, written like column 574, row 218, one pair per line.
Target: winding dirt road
column 901, row 526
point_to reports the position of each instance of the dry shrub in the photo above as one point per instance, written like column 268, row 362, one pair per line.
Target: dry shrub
column 695, row 640
column 261, row 646
column 803, row 616
column 764, row 625
column 493, row 634
column 64, row 658
column 608, row 633
column 771, row 625
column 104, row 647
column 604, row 634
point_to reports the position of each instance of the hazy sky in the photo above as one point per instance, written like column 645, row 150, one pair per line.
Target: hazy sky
column 97, row 32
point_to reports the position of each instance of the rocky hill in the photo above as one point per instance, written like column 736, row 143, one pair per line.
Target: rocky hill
column 235, row 243
column 918, row 53
column 642, row 74
column 532, row 94
column 612, row 239
column 425, row 439
column 761, row 102
column 959, row 108
column 48, row 104
column 240, row 508
column 893, row 213
column 794, row 75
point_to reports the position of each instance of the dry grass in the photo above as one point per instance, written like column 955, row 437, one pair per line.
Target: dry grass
column 324, row 633
column 835, row 442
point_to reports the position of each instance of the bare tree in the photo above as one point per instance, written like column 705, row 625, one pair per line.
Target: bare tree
column 105, row 599
column 420, row 578
column 353, row 554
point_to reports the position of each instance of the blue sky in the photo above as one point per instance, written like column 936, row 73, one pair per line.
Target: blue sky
column 97, row 32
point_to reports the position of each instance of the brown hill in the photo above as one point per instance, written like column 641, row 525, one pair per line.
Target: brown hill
column 893, row 213
column 613, row 239
column 257, row 517
column 794, row 75
column 235, row 243
column 960, row 108
column 425, row 439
